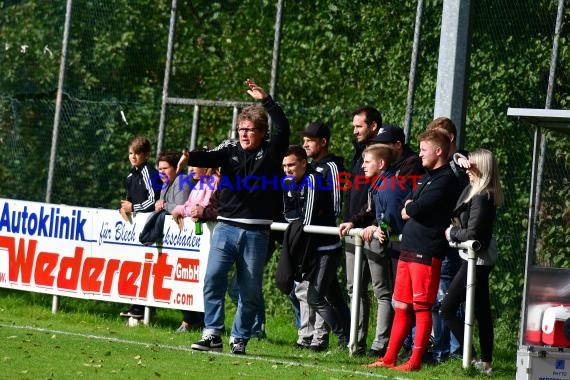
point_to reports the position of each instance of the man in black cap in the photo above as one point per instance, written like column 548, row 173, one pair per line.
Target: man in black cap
column 313, row 331
column 408, row 163
column 316, row 139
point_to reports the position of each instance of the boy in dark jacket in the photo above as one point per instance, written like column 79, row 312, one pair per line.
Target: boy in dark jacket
column 143, row 190
column 143, row 183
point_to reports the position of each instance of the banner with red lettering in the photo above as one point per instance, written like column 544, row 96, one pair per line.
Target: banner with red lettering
column 95, row 254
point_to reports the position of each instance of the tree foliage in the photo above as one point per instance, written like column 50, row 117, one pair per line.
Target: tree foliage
column 334, row 56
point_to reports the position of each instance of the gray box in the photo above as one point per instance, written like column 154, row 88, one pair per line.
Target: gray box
column 543, row 363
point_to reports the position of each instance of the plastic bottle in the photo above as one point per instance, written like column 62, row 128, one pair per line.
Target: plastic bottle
column 384, row 227
column 197, row 225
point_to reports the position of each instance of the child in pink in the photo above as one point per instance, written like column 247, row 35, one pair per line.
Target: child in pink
column 199, row 198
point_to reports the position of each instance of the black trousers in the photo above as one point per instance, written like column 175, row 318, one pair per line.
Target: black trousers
column 482, row 308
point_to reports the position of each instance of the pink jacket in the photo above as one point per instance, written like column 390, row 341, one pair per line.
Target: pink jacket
column 199, row 195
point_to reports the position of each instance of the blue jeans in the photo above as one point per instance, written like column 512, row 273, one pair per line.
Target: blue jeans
column 445, row 342
column 258, row 327
column 247, row 249
column 295, row 305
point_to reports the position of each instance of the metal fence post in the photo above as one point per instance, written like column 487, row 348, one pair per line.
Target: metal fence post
column 57, row 118
column 355, row 302
column 469, row 303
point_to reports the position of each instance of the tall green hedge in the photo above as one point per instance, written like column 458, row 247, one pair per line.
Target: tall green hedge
column 334, row 57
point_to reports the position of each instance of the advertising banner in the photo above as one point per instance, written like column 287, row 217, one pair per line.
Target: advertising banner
column 96, row 254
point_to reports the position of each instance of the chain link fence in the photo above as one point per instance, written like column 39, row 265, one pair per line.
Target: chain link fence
column 333, row 58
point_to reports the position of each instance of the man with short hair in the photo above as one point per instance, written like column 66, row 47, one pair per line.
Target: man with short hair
column 304, row 201
column 445, row 343
column 316, row 142
column 313, row 331
column 366, row 122
column 249, row 186
column 427, row 211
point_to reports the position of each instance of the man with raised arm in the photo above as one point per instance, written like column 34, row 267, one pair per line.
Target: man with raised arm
column 250, row 171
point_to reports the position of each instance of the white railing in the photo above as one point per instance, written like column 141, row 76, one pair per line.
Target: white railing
column 471, row 245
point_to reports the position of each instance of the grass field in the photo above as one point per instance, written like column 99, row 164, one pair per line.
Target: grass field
column 87, row 339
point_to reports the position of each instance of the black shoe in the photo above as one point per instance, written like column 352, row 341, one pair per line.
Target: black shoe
column 209, row 342
column 376, row 353
column 318, row 347
column 237, row 347
column 301, row 346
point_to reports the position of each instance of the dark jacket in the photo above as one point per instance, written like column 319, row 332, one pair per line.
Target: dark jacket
column 153, row 230
column 249, row 184
column 474, row 220
column 430, row 212
column 357, row 197
column 329, row 168
column 409, row 164
column 296, row 262
column 386, row 199
column 143, row 187
column 306, row 202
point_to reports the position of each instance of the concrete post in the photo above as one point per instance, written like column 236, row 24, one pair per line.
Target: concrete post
column 453, row 64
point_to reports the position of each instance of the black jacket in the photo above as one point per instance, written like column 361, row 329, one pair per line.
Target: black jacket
column 306, row 202
column 329, row 168
column 430, row 212
column 250, row 180
column 153, row 230
column 143, row 187
column 356, row 198
column 409, row 164
column 474, row 220
column 296, row 262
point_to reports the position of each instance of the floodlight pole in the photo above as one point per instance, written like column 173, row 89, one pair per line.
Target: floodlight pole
column 57, row 118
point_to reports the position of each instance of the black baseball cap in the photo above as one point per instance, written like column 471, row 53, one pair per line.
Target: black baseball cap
column 316, row 129
column 389, row 133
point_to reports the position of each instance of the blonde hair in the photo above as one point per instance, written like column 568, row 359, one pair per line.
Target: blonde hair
column 439, row 137
column 488, row 180
column 381, row 152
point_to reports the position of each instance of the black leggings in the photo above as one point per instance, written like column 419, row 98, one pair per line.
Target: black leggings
column 482, row 308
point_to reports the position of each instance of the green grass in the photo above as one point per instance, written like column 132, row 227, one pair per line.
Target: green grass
column 87, row 339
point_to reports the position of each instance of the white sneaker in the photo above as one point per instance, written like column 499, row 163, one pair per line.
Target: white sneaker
column 482, row 367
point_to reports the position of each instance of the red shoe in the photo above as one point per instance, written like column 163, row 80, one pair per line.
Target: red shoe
column 379, row 364
column 406, row 367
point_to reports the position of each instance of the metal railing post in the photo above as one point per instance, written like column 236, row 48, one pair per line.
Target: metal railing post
column 355, row 302
column 469, row 306
column 472, row 247
column 195, row 123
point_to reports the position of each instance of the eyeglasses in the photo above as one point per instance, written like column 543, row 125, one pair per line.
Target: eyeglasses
column 248, row 131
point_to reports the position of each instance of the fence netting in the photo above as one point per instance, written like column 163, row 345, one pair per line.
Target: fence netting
column 333, row 58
